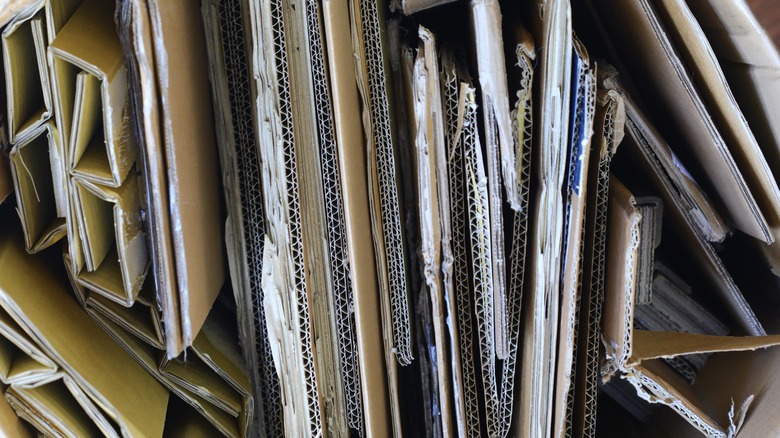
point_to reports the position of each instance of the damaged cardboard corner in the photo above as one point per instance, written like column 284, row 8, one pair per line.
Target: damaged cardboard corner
column 632, row 354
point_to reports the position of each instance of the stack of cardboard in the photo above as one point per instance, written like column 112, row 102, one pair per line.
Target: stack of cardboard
column 374, row 218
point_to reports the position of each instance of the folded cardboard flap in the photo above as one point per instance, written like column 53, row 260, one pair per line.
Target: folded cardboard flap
column 86, row 134
column 26, row 74
column 52, row 409
column 114, row 242
column 11, row 425
column 21, row 361
column 35, row 173
column 210, row 377
column 141, row 320
column 647, row 345
column 88, row 45
column 75, row 342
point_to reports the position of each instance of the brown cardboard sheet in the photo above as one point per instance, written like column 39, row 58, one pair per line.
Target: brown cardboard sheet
column 367, row 36
column 577, row 188
column 163, row 42
column 191, row 161
column 654, row 64
column 499, row 148
column 751, row 64
column 430, row 160
column 295, row 408
column 136, row 38
column 372, row 70
column 318, row 192
column 354, row 182
column 36, row 173
column 226, row 24
column 76, row 343
column 609, row 123
column 697, row 54
column 631, row 352
column 28, row 92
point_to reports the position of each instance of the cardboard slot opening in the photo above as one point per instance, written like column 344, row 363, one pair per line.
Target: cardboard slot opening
column 33, row 181
column 96, row 226
column 15, row 364
column 94, row 160
column 26, row 104
column 88, row 154
column 107, row 278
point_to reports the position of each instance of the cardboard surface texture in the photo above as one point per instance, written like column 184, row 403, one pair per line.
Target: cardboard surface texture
column 75, row 343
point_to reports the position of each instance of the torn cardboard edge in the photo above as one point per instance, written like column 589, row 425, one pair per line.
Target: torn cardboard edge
column 630, row 353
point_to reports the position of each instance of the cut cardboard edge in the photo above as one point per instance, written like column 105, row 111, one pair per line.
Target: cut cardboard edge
column 648, row 345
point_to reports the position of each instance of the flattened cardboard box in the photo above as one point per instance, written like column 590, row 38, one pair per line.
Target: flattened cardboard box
column 166, row 52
